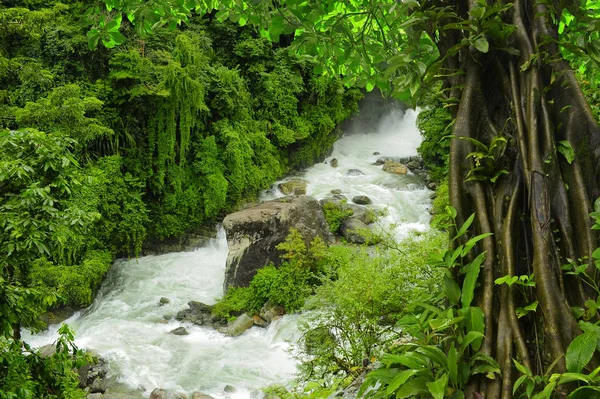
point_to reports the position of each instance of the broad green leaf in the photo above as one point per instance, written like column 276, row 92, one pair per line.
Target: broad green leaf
column 518, row 383
column 522, row 369
column 474, row 320
column 570, row 377
column 412, row 360
column 434, row 354
column 581, row 351
column 438, row 387
column 463, row 229
column 452, row 365
column 481, row 44
column 547, row 392
column 414, row 387
column 399, row 380
column 451, row 290
column 565, row 148
column 583, row 392
column 470, row 337
column 472, row 272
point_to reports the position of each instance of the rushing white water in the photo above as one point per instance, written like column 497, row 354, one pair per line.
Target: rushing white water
column 405, row 198
column 127, row 326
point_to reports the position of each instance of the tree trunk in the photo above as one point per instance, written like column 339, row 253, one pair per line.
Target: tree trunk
column 538, row 211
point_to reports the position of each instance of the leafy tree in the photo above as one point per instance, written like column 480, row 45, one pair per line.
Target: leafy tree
column 526, row 147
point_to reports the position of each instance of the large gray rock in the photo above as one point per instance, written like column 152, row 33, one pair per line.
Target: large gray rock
column 254, row 233
column 200, row 314
column 293, row 187
column 395, row 168
column 351, row 230
column 271, row 311
column 179, row 331
column 361, row 200
column 241, row 324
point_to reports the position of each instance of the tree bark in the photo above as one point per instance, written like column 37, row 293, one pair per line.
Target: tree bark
column 539, row 211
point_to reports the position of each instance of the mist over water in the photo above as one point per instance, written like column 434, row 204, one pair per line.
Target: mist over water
column 127, row 326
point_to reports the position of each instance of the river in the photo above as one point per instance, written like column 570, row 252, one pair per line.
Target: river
column 127, row 326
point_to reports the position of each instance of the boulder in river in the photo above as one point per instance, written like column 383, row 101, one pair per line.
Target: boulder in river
column 199, row 313
column 351, row 230
column 395, row 168
column 239, row 325
column 293, row 187
column 179, row 331
column 354, row 172
column 334, row 163
column 200, row 395
column 254, row 233
column 383, row 160
column 160, row 393
column 336, row 191
column 164, row 301
column 361, row 200
column 229, row 389
column 271, row 311
column 259, row 321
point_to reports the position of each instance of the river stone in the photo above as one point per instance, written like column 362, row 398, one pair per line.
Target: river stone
column 336, row 191
column 271, row 311
column 383, row 160
column 334, row 163
column 229, row 389
column 413, row 165
column 179, row 331
column 293, row 187
column 254, row 233
column 199, row 313
column 239, row 325
column 98, row 386
column 200, row 395
column 259, row 321
column 354, row 172
column 361, row 200
column 350, row 230
column 164, row 301
column 376, row 153
column 395, row 168
column 160, row 393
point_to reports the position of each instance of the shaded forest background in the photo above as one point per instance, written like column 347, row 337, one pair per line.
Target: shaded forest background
column 146, row 141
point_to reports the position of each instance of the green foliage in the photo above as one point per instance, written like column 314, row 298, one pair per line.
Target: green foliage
column 28, row 375
column 75, row 285
column 435, row 123
column 335, row 214
column 37, row 174
column 440, row 217
column 287, row 285
column 442, row 334
column 65, row 111
column 357, row 306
